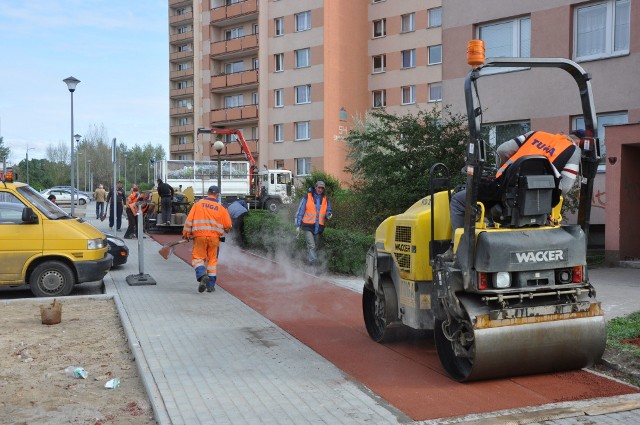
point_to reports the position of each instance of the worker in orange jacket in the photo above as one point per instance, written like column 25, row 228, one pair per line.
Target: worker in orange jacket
column 207, row 221
column 141, row 201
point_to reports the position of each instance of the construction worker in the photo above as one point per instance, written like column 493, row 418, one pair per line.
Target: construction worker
column 238, row 211
column 207, row 221
column 132, row 214
column 562, row 150
column 312, row 212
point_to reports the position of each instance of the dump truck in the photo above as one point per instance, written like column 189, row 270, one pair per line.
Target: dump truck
column 516, row 297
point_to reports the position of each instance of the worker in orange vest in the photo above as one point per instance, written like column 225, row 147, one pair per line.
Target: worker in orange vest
column 142, row 201
column 313, row 211
column 207, row 221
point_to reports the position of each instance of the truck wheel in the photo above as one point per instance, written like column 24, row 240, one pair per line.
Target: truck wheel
column 51, row 279
column 271, row 205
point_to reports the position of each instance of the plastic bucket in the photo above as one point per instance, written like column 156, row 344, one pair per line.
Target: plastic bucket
column 51, row 314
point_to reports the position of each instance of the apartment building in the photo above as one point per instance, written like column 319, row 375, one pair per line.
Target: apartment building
column 294, row 75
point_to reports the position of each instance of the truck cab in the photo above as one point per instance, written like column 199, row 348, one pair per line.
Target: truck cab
column 43, row 246
column 275, row 188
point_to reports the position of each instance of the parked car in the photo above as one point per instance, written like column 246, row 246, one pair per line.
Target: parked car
column 118, row 250
column 63, row 196
column 82, row 192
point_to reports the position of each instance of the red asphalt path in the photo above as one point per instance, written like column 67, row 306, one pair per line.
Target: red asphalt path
column 328, row 319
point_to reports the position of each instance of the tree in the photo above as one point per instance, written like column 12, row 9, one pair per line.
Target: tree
column 390, row 157
column 4, row 150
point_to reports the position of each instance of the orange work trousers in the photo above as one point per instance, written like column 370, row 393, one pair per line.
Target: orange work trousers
column 204, row 255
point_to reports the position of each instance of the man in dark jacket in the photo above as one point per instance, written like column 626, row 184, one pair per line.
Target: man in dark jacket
column 238, row 211
column 119, row 202
column 314, row 209
column 165, row 192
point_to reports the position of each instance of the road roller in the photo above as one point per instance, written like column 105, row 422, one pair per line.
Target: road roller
column 515, row 297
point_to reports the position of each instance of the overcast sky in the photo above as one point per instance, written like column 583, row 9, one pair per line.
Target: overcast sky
column 118, row 49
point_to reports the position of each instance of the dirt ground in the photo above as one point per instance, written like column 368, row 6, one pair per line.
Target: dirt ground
column 34, row 388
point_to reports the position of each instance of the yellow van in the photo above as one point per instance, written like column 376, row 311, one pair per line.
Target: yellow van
column 43, row 246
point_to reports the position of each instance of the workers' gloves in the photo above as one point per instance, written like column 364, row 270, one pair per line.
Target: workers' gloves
column 186, row 237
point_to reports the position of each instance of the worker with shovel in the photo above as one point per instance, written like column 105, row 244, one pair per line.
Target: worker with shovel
column 207, row 221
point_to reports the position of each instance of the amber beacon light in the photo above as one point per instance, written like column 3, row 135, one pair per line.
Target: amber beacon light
column 475, row 53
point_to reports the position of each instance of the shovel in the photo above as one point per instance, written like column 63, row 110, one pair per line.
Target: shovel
column 168, row 248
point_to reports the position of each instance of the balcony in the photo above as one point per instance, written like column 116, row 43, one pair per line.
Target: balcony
column 181, row 74
column 174, row 3
column 235, row 46
column 181, row 129
column 234, row 13
column 236, row 80
column 227, row 115
column 181, row 92
column 176, row 56
column 187, row 147
column 180, row 111
column 175, row 19
column 233, row 152
column 185, row 36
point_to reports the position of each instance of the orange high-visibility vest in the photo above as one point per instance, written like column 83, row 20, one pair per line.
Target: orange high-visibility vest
column 556, row 147
column 207, row 218
column 133, row 197
column 310, row 213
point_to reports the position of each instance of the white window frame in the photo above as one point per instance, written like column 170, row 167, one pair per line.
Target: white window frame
column 432, row 49
column 303, row 57
column 435, row 17
column 435, row 92
column 379, row 28
column 608, row 45
column 379, row 99
column 305, row 169
column 234, row 101
column 183, row 66
column 278, row 62
column 184, row 48
column 233, row 33
column 255, row 63
column 278, row 98
column 408, row 22
column 233, row 67
column 408, row 59
column 603, row 119
column 183, row 85
column 410, row 92
column 183, row 140
column 278, row 133
column 278, row 27
column 254, row 98
column 303, row 21
column 382, row 66
column 520, row 37
column 302, row 130
column 302, row 94
column 183, row 121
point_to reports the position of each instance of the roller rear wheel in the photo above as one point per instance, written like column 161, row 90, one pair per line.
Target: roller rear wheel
column 381, row 313
column 456, row 356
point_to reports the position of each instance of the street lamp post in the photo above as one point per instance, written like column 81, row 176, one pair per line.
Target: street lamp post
column 90, row 180
column 71, row 83
column 218, row 146
column 135, row 174
column 77, row 137
column 28, row 149
column 125, row 170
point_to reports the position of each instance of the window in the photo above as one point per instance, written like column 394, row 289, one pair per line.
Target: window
column 183, row 140
column 183, row 121
column 379, row 28
column 604, row 119
column 184, row 48
column 408, row 22
column 303, row 94
column 278, row 98
column 303, row 21
column 233, row 67
column 435, row 54
column 183, row 85
column 302, row 130
column 182, row 11
column 232, row 33
column 183, row 157
column 278, row 164
column 507, row 38
column 184, row 66
column 303, row 166
column 254, row 98
column 233, row 101
column 409, row 58
column 183, row 103
column 379, row 63
column 302, row 58
column 228, row 2
column 255, row 29
column 435, row 17
column 278, row 62
column 278, row 133
column 278, row 24
column 602, row 29
column 254, row 133
column 435, row 92
column 379, row 98
column 408, row 95
column 183, row 30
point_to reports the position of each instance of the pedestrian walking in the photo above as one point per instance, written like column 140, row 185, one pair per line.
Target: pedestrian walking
column 313, row 211
column 238, row 211
column 165, row 192
column 118, row 200
column 207, row 221
column 100, row 196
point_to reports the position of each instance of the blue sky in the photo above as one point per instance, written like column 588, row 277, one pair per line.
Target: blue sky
column 118, row 49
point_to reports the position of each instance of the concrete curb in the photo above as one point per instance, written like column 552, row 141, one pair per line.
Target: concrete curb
column 158, row 406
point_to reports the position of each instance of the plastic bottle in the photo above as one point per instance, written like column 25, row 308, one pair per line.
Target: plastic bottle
column 76, row 372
